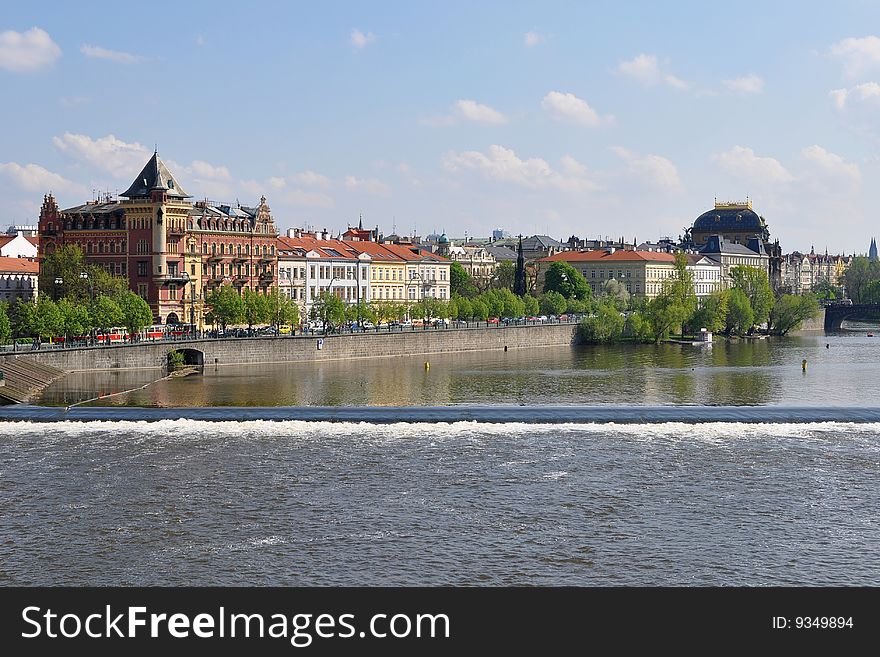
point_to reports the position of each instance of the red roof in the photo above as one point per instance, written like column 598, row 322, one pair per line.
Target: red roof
column 19, row 265
column 602, row 255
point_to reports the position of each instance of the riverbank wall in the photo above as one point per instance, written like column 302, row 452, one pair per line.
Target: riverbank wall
column 239, row 351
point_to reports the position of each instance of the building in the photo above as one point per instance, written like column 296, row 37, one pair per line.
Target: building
column 19, row 279
column 575, row 243
column 706, row 273
column 642, row 272
column 728, row 255
column 18, row 245
column 427, row 273
column 738, row 224
column 476, row 260
column 872, row 250
column 802, row 272
column 172, row 251
column 27, row 230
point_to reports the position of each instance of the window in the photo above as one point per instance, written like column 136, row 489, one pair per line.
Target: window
column 142, row 268
column 142, row 290
column 172, row 292
column 192, row 270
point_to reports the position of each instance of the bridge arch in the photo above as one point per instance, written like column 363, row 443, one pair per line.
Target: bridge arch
column 835, row 314
column 191, row 356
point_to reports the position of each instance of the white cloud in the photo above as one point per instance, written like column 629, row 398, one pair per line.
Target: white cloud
column 276, row 182
column 863, row 92
column 110, row 154
column 311, row 179
column 831, row 165
column 308, row 199
column 568, row 107
column 27, row 51
column 646, row 69
column 97, row 52
column 571, row 166
column 467, row 110
column 360, row 40
column 532, row 39
column 34, row 178
column 204, row 169
column 859, row 55
column 747, row 84
column 655, row 171
column 372, row 186
column 503, row 165
column 742, row 163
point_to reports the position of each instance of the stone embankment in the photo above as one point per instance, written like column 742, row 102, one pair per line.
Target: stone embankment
column 23, row 378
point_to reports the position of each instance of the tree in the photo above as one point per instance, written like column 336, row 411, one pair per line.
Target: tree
column 76, row 318
column 666, row 312
column 740, row 316
column 825, row 290
column 494, row 303
column 616, row 293
column 384, row 311
column 360, row 312
column 640, row 326
column 753, row 282
column 680, row 288
column 67, row 266
column 858, row 276
column 329, row 310
column 136, row 313
column 105, row 313
column 5, row 325
column 255, row 308
column 552, row 303
column 479, row 310
column 605, row 325
column 569, row 282
column 512, row 305
column 504, row 275
column 460, row 282
column 24, row 318
column 281, row 309
column 712, row 314
column 531, row 305
column 871, row 292
column 226, row 305
column 465, row 308
column 791, row 311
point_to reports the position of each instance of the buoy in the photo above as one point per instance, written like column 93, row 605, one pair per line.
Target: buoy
column 804, row 364
column 427, row 365
column 827, row 346
column 505, row 347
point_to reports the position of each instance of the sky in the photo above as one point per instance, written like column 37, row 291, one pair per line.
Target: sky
column 595, row 119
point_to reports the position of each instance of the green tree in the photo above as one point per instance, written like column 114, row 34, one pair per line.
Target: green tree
column 504, row 275
column 465, row 308
column 561, row 277
column 858, row 276
column 360, row 312
column 712, row 314
column 604, row 325
column 479, row 310
column 23, row 316
column 76, row 318
column 871, row 292
column 5, row 324
column 740, row 316
column 666, row 312
column 552, row 303
column 790, row 311
column 65, row 274
column 753, row 282
column 136, row 313
column 255, row 308
column 512, row 305
column 825, row 290
column 530, row 305
column 227, row 307
column 281, row 309
column 384, row 311
column 680, row 287
column 494, row 303
column 640, row 326
column 460, row 282
column 105, row 313
column 329, row 310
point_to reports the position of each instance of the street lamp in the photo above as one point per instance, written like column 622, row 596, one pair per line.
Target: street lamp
column 84, row 276
column 192, row 302
column 58, row 282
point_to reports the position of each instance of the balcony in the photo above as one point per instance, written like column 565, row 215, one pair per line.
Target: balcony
column 165, row 279
column 267, row 276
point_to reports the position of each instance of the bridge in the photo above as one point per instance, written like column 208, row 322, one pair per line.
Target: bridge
column 837, row 312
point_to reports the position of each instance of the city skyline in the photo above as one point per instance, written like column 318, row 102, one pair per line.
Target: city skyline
column 557, row 120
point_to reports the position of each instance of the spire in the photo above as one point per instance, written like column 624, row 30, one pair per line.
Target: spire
column 519, row 279
column 154, row 175
column 360, row 221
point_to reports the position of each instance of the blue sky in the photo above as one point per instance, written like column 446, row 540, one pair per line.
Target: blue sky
column 594, row 119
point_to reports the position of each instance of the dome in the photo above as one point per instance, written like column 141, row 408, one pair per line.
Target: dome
column 728, row 219
column 443, row 239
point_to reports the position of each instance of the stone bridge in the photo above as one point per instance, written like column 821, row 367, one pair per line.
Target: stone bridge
column 836, row 313
column 286, row 349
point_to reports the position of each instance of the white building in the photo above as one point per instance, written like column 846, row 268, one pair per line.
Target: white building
column 18, row 246
column 707, row 275
column 18, row 279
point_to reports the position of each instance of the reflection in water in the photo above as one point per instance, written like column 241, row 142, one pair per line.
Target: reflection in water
column 744, row 372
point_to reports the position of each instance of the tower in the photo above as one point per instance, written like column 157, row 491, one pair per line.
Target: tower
column 872, row 252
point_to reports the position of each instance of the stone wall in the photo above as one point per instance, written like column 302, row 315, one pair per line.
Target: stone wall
column 305, row 348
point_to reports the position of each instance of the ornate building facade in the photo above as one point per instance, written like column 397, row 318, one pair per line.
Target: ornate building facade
column 173, row 252
column 802, row 272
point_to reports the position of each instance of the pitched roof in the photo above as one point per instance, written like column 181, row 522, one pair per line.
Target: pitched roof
column 330, row 249
column 154, row 175
column 501, row 252
column 411, row 253
column 602, row 255
column 19, row 265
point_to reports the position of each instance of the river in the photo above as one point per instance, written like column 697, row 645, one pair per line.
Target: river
column 183, row 501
